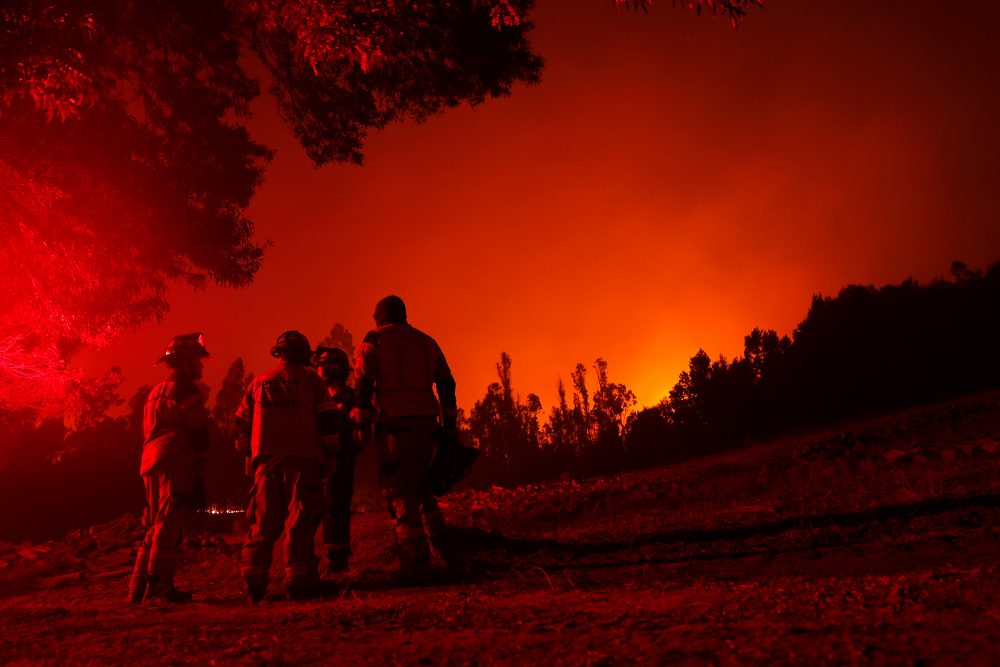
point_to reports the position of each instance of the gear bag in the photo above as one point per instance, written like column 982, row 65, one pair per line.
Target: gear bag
column 452, row 463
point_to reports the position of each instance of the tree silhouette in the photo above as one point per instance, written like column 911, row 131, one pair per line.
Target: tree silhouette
column 122, row 169
column 612, row 403
column 867, row 349
column 125, row 160
column 559, row 433
column 584, row 439
column 649, row 439
column 224, row 468
column 341, row 338
column 506, row 429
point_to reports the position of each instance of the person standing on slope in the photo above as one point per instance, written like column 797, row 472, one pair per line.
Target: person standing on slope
column 397, row 370
column 335, row 367
column 175, row 429
column 284, row 423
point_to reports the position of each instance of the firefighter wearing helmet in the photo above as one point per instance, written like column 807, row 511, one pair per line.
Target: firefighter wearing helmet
column 175, row 430
column 397, row 371
column 284, row 426
column 334, row 367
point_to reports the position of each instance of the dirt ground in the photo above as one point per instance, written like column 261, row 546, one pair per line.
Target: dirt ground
column 876, row 543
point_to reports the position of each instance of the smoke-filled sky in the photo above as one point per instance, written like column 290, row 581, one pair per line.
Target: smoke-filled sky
column 670, row 185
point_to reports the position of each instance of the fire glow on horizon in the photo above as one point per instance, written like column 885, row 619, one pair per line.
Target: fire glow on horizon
column 671, row 185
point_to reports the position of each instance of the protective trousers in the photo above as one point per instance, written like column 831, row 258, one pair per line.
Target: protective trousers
column 168, row 487
column 339, row 489
column 405, row 448
column 287, row 489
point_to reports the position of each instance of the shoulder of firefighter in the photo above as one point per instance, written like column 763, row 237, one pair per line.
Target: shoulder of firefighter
column 397, row 370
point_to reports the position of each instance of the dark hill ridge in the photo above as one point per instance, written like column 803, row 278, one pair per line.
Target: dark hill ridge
column 874, row 543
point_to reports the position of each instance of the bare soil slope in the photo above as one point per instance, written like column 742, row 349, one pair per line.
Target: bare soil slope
column 877, row 543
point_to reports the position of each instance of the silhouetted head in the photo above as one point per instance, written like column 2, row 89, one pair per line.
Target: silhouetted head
column 390, row 310
column 184, row 353
column 292, row 346
column 332, row 364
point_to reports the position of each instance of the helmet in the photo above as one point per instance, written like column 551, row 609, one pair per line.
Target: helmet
column 334, row 366
column 390, row 310
column 184, row 347
column 332, row 356
column 292, row 344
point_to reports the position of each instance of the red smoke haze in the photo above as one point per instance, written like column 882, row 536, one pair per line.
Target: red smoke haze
column 671, row 184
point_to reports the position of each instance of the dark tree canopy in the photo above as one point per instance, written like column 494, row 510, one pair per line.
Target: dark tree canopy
column 126, row 165
column 124, row 169
column 863, row 351
column 339, row 337
column 585, row 439
column 340, row 69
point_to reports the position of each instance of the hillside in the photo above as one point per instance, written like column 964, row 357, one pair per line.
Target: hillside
column 874, row 543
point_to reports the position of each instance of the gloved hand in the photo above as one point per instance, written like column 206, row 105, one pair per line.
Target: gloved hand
column 361, row 418
column 362, row 435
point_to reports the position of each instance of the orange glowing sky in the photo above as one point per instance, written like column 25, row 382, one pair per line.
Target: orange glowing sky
column 671, row 184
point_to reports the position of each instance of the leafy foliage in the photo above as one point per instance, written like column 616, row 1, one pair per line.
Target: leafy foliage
column 126, row 165
column 339, row 337
column 506, row 428
column 583, row 439
column 734, row 10
column 340, row 69
column 867, row 349
column 124, row 169
column 224, row 468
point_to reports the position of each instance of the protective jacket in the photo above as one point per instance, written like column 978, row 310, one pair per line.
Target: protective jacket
column 286, row 411
column 397, row 368
column 175, row 423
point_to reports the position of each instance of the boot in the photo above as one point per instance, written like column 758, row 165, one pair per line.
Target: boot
column 338, row 560
column 136, row 589
column 412, row 570
column 444, row 545
column 303, row 586
column 256, row 590
column 158, row 588
column 438, row 534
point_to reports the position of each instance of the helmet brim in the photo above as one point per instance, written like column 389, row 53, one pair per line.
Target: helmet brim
column 276, row 351
column 201, row 354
